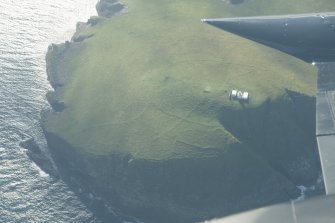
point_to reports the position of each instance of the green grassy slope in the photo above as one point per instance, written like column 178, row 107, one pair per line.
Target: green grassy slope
column 138, row 85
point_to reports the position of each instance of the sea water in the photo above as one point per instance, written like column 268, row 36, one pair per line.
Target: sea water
column 27, row 27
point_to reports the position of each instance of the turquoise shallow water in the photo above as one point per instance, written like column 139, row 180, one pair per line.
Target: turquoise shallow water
column 26, row 29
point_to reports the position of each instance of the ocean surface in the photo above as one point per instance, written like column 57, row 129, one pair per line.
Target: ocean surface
column 27, row 27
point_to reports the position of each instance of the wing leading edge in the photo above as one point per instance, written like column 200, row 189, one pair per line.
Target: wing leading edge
column 309, row 37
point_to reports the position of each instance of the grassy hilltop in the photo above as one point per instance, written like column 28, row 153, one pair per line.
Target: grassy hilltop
column 139, row 84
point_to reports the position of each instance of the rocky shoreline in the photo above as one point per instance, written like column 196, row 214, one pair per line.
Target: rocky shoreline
column 56, row 78
column 131, row 187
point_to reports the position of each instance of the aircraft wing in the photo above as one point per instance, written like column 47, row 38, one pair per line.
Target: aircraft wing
column 320, row 210
column 309, row 37
column 325, row 123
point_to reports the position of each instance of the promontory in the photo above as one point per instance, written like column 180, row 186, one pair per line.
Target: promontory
column 142, row 115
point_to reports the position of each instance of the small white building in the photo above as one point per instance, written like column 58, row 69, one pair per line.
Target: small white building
column 237, row 95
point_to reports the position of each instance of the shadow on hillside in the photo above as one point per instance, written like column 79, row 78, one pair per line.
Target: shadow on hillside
column 281, row 132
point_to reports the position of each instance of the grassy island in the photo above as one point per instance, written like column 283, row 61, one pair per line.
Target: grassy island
column 142, row 78
column 152, row 84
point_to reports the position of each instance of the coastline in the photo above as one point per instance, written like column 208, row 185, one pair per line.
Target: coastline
column 63, row 154
column 106, row 9
column 82, row 170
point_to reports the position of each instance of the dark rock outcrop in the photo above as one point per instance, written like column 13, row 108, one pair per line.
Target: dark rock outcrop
column 108, row 8
column 81, row 28
column 39, row 157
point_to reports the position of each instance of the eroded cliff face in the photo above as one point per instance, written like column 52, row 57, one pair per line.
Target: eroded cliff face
column 181, row 190
column 275, row 152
